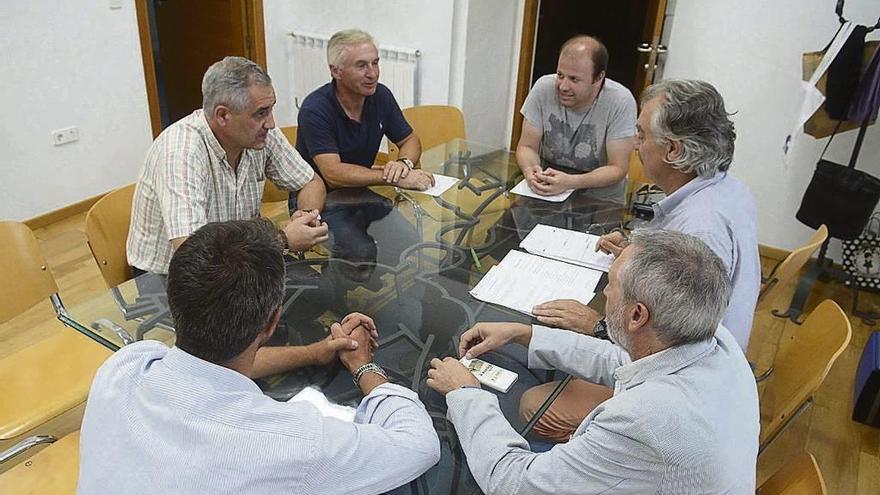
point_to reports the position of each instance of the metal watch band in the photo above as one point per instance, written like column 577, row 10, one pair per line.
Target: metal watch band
column 409, row 163
column 367, row 368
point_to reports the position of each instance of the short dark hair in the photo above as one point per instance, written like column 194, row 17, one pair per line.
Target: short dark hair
column 224, row 282
column 598, row 54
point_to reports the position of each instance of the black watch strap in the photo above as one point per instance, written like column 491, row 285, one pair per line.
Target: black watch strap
column 600, row 331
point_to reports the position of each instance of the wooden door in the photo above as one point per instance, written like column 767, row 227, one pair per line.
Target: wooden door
column 180, row 39
column 631, row 29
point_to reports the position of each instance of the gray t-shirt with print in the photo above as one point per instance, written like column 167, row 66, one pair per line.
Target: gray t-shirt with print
column 575, row 141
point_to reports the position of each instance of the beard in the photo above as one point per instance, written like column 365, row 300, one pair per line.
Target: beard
column 616, row 323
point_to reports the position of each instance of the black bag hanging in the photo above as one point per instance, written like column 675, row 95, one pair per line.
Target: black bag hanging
column 839, row 196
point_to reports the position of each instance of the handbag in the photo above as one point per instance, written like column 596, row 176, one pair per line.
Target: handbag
column 861, row 257
column 839, row 196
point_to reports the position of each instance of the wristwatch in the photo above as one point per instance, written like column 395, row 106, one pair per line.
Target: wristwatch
column 283, row 242
column 600, row 331
column 367, row 368
column 406, row 161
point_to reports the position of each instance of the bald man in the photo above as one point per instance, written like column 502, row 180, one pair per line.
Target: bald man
column 578, row 126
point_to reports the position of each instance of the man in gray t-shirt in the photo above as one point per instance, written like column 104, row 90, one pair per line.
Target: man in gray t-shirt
column 579, row 126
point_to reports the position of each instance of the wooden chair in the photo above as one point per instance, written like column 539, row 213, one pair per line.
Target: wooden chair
column 45, row 383
column 788, row 269
column 635, row 177
column 800, row 368
column 107, row 225
column 434, row 124
column 54, row 470
column 799, row 476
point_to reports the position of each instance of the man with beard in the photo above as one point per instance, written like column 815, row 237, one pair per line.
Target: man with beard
column 684, row 414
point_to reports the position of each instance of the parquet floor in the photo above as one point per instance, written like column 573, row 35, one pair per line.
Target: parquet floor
column 848, row 453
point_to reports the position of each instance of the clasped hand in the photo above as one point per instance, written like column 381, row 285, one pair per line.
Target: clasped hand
column 549, row 181
column 305, row 230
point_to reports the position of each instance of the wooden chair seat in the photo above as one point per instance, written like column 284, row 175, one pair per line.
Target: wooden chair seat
column 55, row 470
column 45, row 380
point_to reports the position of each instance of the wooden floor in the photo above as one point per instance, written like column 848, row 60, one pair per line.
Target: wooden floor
column 848, row 453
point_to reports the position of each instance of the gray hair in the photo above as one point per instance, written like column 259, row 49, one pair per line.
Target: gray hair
column 680, row 280
column 339, row 41
column 227, row 83
column 693, row 112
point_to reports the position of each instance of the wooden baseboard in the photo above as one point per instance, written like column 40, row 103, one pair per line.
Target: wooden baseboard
column 62, row 213
column 773, row 253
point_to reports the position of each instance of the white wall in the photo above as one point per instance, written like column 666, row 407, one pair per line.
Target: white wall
column 426, row 26
column 751, row 51
column 491, row 56
column 68, row 63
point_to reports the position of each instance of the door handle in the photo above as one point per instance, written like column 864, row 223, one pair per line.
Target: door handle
column 644, row 48
column 662, row 49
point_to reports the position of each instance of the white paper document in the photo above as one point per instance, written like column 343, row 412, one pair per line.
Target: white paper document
column 317, row 398
column 441, row 184
column 522, row 280
column 567, row 245
column 523, row 189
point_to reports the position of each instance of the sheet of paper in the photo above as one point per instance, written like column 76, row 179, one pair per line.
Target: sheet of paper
column 441, row 184
column 567, row 245
column 317, row 398
column 523, row 189
column 522, row 280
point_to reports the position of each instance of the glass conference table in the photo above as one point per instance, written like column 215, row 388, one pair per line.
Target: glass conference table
column 407, row 260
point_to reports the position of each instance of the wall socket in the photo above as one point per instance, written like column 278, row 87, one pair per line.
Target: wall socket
column 64, row 136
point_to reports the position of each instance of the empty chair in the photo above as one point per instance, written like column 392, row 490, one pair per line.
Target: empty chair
column 799, row 476
column 801, row 366
column 107, row 225
column 54, row 470
column 788, row 269
column 434, row 124
column 51, row 377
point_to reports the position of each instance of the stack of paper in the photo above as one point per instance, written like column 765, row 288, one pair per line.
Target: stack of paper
column 523, row 189
column 567, row 245
column 521, row 281
column 441, row 184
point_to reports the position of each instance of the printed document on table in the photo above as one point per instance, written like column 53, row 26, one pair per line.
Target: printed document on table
column 441, row 184
column 317, row 398
column 523, row 189
column 567, row 245
column 522, row 280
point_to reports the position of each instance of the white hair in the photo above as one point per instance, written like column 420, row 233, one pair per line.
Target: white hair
column 342, row 39
column 228, row 81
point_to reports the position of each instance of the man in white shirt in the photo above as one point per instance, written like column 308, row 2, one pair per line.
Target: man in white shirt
column 190, row 419
column 684, row 413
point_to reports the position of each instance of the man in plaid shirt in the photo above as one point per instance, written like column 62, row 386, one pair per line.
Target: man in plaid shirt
column 211, row 166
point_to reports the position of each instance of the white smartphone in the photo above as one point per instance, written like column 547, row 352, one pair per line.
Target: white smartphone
column 494, row 377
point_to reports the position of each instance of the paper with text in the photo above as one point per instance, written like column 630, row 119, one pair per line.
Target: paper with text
column 567, row 245
column 522, row 280
column 441, row 184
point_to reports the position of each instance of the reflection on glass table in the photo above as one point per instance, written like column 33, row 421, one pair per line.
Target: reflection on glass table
column 406, row 259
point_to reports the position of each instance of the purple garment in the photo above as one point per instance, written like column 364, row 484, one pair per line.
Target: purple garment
column 866, row 101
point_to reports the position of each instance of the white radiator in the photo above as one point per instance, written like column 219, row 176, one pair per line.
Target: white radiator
column 399, row 68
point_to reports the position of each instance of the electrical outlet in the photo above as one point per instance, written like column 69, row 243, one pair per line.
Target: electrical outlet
column 64, row 136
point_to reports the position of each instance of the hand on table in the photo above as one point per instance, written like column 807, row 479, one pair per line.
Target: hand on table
column 550, row 181
column 612, row 243
column 487, row 336
column 418, row 180
column 305, row 230
column 448, row 375
column 394, row 171
column 567, row 314
column 354, row 358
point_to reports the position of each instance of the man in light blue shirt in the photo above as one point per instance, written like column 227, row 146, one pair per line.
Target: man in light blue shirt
column 190, row 419
column 685, row 142
column 683, row 417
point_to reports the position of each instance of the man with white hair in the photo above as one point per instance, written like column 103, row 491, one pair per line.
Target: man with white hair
column 211, row 166
column 341, row 124
column 686, row 143
column 684, row 413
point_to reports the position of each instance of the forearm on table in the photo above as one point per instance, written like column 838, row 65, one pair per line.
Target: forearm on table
column 527, row 158
column 279, row 359
column 606, row 175
column 411, row 148
column 312, row 195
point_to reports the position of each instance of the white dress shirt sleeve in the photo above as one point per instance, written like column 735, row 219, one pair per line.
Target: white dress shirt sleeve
column 579, row 355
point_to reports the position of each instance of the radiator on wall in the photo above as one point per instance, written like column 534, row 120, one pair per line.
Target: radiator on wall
column 399, row 68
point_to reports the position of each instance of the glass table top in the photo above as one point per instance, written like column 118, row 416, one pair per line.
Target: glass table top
column 404, row 258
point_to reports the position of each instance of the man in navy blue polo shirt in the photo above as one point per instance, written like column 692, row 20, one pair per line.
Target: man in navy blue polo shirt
column 342, row 123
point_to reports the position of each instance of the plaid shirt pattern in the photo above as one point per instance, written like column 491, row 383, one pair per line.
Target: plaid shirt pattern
column 187, row 182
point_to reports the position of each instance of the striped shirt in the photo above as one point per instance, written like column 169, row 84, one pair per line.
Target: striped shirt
column 160, row 420
column 683, row 420
column 187, row 182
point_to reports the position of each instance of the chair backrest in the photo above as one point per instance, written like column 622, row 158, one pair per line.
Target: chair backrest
column 107, row 225
column 272, row 194
column 799, row 476
column 802, row 365
column 434, row 124
column 25, row 279
column 635, row 177
column 789, row 268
